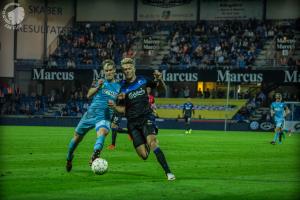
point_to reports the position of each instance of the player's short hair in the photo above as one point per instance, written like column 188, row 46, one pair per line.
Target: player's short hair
column 108, row 62
column 278, row 95
column 125, row 61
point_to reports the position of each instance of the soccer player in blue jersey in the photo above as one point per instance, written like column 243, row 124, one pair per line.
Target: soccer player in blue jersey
column 187, row 111
column 98, row 115
column 279, row 111
column 140, row 118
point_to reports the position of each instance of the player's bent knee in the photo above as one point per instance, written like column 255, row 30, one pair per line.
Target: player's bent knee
column 77, row 137
column 153, row 143
column 142, row 152
column 144, row 156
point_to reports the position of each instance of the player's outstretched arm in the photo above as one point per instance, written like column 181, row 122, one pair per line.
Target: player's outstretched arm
column 92, row 91
column 119, row 109
column 161, row 86
column 272, row 112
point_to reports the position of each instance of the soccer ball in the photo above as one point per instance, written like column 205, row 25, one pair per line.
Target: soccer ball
column 99, row 166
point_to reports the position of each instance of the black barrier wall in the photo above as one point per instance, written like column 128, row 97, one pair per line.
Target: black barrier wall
column 162, row 123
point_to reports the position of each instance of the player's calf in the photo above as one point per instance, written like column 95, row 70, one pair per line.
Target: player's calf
column 143, row 151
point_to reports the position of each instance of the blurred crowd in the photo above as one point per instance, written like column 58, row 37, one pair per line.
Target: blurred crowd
column 231, row 44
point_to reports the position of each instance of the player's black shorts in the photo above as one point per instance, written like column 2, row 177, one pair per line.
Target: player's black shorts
column 142, row 127
column 187, row 118
column 116, row 120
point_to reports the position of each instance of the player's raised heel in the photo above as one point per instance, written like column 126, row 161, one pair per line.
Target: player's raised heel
column 111, row 147
column 171, row 177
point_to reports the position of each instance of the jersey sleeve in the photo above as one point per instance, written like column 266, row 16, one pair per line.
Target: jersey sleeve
column 285, row 105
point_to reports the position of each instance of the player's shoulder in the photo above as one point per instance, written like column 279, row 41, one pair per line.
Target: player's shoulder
column 142, row 78
column 283, row 104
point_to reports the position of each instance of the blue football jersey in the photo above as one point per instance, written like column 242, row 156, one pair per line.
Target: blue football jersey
column 99, row 105
column 278, row 108
column 187, row 108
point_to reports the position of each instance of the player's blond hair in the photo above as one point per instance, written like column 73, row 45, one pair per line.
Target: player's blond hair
column 108, row 62
column 127, row 61
column 278, row 95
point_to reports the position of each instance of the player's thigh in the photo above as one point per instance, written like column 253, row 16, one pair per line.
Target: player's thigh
column 152, row 141
column 102, row 127
column 142, row 151
column 149, row 127
column 114, row 126
column 278, row 125
column 84, row 125
column 137, row 137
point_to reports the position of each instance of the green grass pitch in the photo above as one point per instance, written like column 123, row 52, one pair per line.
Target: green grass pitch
column 207, row 165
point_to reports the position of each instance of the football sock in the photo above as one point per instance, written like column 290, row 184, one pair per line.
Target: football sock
column 280, row 136
column 161, row 159
column 99, row 143
column 276, row 136
column 113, row 136
column 71, row 149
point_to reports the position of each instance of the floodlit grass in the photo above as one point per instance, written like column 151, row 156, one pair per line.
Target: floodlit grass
column 207, row 165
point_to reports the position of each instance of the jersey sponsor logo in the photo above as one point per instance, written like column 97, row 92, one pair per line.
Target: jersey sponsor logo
column 134, row 94
column 254, row 125
column 109, row 93
column 266, row 126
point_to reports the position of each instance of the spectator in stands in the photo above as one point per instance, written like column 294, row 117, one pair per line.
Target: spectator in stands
column 186, row 92
column 199, row 93
column 52, row 62
column 71, row 64
column 207, row 93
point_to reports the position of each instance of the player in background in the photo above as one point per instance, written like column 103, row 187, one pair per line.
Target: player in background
column 152, row 101
column 188, row 111
column 98, row 115
column 115, row 129
column 139, row 113
column 279, row 111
